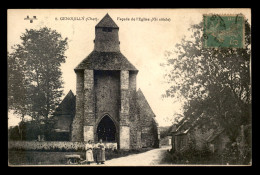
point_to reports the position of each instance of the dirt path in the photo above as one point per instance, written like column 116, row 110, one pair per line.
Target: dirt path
column 152, row 157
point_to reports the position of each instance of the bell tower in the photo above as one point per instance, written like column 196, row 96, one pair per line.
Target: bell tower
column 106, row 36
column 106, row 83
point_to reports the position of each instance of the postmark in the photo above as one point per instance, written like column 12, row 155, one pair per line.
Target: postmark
column 223, row 31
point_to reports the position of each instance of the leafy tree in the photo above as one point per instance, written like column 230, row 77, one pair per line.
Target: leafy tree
column 39, row 57
column 31, row 130
column 214, row 81
column 17, row 92
column 13, row 133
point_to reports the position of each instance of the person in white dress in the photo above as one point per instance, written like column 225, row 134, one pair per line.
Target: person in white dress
column 89, row 152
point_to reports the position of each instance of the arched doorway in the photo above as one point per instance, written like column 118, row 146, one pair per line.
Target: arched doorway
column 106, row 130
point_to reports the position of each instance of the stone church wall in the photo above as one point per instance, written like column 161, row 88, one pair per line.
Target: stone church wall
column 107, row 41
column 107, row 91
column 135, row 133
column 148, row 125
column 113, row 93
column 107, row 96
column 124, row 132
column 77, row 124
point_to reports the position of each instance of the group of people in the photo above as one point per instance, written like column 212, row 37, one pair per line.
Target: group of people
column 97, row 150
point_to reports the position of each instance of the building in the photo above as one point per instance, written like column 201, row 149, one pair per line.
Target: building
column 63, row 117
column 108, row 106
column 166, row 141
column 199, row 133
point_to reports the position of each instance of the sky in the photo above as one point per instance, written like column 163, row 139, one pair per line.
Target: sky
column 144, row 34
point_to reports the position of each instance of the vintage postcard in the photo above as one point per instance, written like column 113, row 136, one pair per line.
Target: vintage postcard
column 129, row 87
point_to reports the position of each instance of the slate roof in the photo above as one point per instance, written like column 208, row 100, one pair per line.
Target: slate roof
column 105, row 61
column 142, row 100
column 186, row 125
column 67, row 106
column 191, row 125
column 107, row 21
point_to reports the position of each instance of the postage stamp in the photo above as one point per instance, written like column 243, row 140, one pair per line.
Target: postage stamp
column 223, row 31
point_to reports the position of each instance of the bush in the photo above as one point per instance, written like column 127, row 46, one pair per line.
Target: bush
column 232, row 155
column 189, row 155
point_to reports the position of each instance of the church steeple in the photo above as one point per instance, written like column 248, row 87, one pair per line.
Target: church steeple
column 106, row 36
column 107, row 21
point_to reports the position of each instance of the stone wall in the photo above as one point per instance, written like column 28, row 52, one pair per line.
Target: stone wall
column 89, row 105
column 77, row 124
column 147, row 123
column 106, row 41
column 60, row 145
column 134, row 122
column 124, row 135
column 113, row 93
column 107, row 97
column 107, row 94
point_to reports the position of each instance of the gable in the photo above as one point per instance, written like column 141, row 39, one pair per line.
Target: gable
column 67, row 106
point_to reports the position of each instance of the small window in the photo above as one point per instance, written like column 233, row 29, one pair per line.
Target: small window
column 107, row 29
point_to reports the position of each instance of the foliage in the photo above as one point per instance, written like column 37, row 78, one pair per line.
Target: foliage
column 17, row 91
column 234, row 153
column 34, row 74
column 165, row 131
column 239, row 152
column 16, row 85
column 13, row 133
column 190, row 155
column 213, row 81
column 32, row 129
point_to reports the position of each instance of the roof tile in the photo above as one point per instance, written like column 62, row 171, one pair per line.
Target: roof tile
column 105, row 61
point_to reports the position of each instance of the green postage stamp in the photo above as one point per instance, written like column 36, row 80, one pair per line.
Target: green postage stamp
column 223, row 31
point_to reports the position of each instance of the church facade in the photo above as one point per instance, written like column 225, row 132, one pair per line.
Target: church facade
column 108, row 106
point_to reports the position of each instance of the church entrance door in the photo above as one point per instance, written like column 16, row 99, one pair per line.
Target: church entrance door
column 106, row 130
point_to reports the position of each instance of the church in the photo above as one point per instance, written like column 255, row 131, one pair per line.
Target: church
column 107, row 104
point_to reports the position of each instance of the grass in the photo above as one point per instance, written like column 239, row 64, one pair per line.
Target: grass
column 21, row 157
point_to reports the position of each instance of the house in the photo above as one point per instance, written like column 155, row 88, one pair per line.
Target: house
column 217, row 142
column 198, row 133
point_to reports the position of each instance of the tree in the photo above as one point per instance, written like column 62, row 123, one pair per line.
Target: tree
column 17, row 92
column 39, row 57
column 214, row 81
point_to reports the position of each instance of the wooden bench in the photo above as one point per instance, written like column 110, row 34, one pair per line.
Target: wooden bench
column 73, row 159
